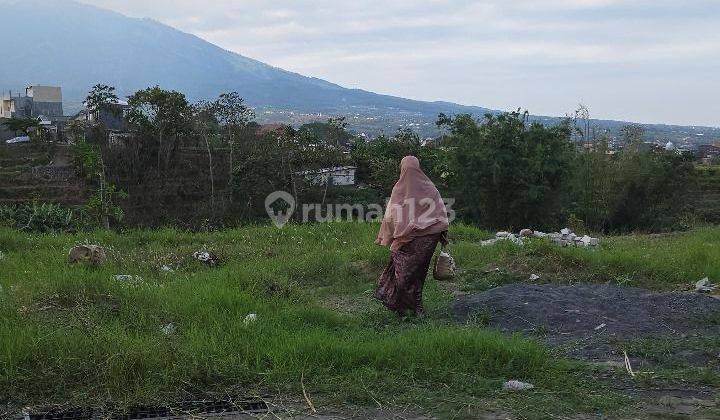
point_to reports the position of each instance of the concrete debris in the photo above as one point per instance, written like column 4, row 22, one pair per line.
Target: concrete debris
column 169, row 329
column 249, row 319
column 88, row 254
column 517, row 386
column 534, row 277
column 704, row 286
column 506, row 236
column 207, row 258
column 128, row 278
column 489, row 242
column 566, row 237
column 526, row 233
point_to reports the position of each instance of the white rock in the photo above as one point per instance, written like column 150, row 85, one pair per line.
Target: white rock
column 566, row 231
column 202, row 256
column 517, row 385
column 169, row 329
column 166, row 268
column 534, row 277
column 502, row 234
column 249, row 319
column 704, row 286
column 539, row 234
column 489, row 242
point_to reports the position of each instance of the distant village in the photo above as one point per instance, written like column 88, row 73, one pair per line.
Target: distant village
column 45, row 103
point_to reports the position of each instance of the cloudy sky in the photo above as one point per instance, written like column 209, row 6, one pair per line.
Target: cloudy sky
column 646, row 61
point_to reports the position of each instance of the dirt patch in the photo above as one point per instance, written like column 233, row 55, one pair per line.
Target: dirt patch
column 590, row 319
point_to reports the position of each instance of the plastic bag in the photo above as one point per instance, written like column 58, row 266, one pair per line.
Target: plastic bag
column 444, row 266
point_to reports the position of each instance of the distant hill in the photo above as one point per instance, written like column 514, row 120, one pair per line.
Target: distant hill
column 76, row 45
column 73, row 45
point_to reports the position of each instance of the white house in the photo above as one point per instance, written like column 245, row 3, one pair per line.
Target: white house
column 339, row 175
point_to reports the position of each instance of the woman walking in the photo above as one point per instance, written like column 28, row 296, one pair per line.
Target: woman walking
column 415, row 221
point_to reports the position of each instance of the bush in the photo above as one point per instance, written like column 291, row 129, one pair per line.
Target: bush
column 508, row 173
column 637, row 189
column 44, row 218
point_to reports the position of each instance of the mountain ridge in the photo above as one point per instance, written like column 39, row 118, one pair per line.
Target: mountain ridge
column 76, row 45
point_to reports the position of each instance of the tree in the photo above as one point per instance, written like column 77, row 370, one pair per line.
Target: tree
column 163, row 115
column 632, row 133
column 100, row 99
column 507, row 172
column 276, row 161
column 21, row 126
column 76, row 131
column 581, row 122
column 234, row 116
column 91, row 165
column 205, row 125
column 378, row 161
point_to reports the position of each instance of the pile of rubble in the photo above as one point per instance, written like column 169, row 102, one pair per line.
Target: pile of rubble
column 565, row 237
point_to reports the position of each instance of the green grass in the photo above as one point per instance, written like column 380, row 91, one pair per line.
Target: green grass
column 73, row 333
column 658, row 262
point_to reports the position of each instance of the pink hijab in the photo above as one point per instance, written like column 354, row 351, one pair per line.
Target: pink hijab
column 415, row 208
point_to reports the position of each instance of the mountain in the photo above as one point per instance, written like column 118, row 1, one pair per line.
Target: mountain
column 76, row 46
column 73, row 45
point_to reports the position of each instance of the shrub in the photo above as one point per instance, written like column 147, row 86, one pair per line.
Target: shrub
column 637, row 189
column 508, row 173
column 44, row 218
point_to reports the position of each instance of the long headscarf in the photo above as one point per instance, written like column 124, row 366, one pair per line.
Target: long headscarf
column 415, row 208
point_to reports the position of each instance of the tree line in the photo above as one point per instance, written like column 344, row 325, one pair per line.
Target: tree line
column 503, row 171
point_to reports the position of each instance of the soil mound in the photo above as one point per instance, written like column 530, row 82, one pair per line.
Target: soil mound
column 592, row 316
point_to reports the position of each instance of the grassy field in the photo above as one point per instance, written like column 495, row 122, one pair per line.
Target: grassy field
column 76, row 334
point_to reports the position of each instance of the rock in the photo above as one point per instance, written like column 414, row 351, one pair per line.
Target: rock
column 502, row 234
column 539, row 234
column 489, row 242
column 207, row 258
column 513, row 238
column 526, row 233
column 585, row 240
column 87, row 254
column 166, row 269
column 128, row 278
column 169, row 329
column 560, row 242
column 249, row 319
column 566, row 231
column 534, row 277
column 517, row 386
column 704, row 286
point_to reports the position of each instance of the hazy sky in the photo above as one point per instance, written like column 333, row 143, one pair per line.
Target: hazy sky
column 647, row 61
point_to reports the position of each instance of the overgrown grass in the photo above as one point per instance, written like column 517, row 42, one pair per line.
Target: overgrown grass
column 73, row 333
column 659, row 262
